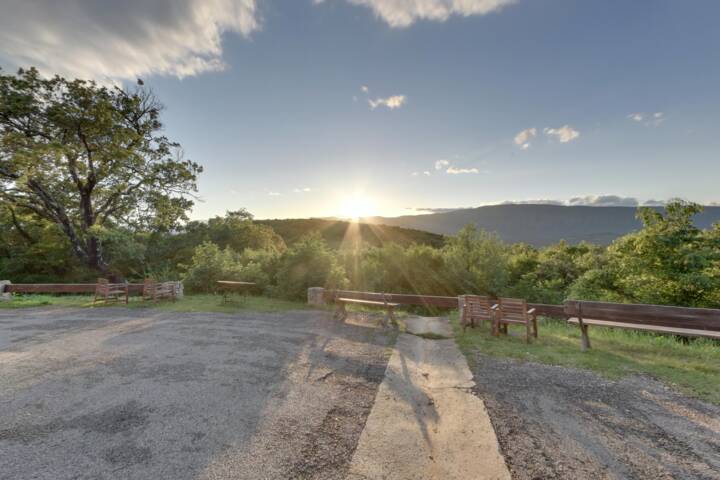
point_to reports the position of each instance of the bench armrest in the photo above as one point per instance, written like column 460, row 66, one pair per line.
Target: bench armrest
column 531, row 311
column 495, row 307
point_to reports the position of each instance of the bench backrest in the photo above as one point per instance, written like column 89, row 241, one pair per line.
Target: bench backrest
column 477, row 307
column 513, row 308
column 659, row 315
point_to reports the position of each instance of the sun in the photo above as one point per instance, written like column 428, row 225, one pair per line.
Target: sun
column 357, row 206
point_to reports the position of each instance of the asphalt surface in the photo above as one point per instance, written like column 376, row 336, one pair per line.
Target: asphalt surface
column 142, row 394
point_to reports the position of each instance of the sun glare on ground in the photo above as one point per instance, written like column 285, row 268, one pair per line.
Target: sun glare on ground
column 357, row 206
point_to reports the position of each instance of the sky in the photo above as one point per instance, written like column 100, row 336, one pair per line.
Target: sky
column 300, row 108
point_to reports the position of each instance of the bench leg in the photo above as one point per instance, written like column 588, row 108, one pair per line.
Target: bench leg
column 528, row 328
column 585, row 338
column 340, row 311
column 535, row 333
column 391, row 317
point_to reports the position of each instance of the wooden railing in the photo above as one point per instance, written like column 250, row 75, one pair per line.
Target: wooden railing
column 62, row 288
column 641, row 314
column 431, row 301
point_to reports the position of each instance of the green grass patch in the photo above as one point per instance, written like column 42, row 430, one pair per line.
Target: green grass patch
column 40, row 300
column 693, row 366
column 189, row 303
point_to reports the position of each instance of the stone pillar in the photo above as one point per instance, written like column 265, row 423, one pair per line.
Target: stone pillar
column 3, row 294
column 179, row 290
column 316, row 296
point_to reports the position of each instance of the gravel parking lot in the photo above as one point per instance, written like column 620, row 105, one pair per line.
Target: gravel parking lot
column 144, row 394
column 562, row 423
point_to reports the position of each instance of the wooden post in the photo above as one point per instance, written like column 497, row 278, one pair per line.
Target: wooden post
column 584, row 337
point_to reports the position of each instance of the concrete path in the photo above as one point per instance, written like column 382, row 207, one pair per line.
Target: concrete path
column 426, row 423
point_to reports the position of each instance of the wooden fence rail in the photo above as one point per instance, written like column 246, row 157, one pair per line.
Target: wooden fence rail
column 431, row 301
column 136, row 288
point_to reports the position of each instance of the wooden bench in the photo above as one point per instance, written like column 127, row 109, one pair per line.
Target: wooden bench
column 475, row 308
column 514, row 311
column 111, row 291
column 341, row 311
column 155, row 291
column 682, row 321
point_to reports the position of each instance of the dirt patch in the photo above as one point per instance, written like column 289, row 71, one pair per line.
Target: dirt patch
column 561, row 423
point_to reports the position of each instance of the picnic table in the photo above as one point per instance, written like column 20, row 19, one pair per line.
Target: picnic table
column 227, row 287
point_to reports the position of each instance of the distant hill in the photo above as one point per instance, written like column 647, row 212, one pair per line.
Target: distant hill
column 537, row 224
column 339, row 233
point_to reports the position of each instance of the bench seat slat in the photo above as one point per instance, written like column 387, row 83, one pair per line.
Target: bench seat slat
column 691, row 332
column 366, row 302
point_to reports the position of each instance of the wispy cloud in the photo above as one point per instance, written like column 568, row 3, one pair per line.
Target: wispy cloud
column 460, row 171
column 522, row 139
column 302, row 190
column 274, row 194
column 364, row 89
column 403, row 13
column 115, row 41
column 564, row 134
column 604, row 201
column 437, row 209
column 393, row 102
column 648, row 119
column 441, row 164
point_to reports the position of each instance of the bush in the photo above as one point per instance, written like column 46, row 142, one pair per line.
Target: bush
column 210, row 264
column 308, row 263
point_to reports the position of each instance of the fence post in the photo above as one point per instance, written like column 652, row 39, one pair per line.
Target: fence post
column 4, row 296
column 316, row 296
column 461, row 307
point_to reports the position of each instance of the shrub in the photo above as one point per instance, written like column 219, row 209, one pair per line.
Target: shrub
column 210, row 264
column 308, row 263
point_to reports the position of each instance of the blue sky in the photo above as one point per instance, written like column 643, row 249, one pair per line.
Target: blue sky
column 467, row 102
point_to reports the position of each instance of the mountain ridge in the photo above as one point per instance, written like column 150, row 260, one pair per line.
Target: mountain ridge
column 538, row 224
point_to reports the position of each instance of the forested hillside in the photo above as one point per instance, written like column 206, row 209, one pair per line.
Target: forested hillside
column 338, row 233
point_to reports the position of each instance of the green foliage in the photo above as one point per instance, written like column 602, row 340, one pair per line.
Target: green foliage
column 308, row 263
column 669, row 261
column 209, row 264
column 477, row 261
column 80, row 155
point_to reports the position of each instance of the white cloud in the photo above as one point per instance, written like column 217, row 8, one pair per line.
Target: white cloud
column 403, row 13
column 564, row 134
column 414, row 174
column 364, row 89
column 458, row 171
column 122, row 40
column 440, row 164
column 396, row 101
column 648, row 119
column 522, row 139
column 604, row 201
column 274, row 194
column 302, row 190
column 426, row 173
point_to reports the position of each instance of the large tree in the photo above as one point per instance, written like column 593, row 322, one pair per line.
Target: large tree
column 86, row 156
